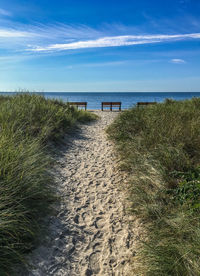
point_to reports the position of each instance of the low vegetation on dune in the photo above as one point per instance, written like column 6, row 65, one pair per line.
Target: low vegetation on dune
column 160, row 149
column 28, row 122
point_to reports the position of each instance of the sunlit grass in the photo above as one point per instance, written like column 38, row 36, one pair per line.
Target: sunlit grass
column 160, row 149
column 27, row 124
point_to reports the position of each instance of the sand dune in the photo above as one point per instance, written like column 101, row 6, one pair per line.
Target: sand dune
column 90, row 232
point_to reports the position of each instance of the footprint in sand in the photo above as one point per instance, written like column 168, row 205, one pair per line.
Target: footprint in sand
column 92, row 237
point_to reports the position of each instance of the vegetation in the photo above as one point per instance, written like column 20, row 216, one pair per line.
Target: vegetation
column 160, row 149
column 27, row 124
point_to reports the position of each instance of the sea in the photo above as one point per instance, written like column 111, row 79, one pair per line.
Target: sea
column 128, row 99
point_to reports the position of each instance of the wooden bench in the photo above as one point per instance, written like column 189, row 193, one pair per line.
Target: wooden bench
column 145, row 103
column 111, row 105
column 77, row 104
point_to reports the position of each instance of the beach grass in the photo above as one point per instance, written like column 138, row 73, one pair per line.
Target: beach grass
column 160, row 149
column 28, row 124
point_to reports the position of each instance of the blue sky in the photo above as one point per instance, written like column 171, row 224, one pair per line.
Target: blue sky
column 87, row 45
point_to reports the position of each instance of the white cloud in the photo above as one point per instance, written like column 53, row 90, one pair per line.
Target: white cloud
column 52, row 38
column 5, row 12
column 11, row 33
column 114, row 41
column 177, row 61
column 67, row 33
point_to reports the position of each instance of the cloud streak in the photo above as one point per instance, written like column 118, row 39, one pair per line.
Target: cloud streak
column 177, row 61
column 50, row 32
column 12, row 33
column 53, row 38
column 114, row 41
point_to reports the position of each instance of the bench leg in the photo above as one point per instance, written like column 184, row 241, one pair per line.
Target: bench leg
column 111, row 107
column 101, row 107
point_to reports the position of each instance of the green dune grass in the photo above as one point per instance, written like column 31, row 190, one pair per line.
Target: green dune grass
column 160, row 149
column 27, row 124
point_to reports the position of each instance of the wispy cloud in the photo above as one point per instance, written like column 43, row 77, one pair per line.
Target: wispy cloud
column 12, row 33
column 98, row 64
column 54, row 38
column 50, row 32
column 114, row 41
column 177, row 61
column 5, row 12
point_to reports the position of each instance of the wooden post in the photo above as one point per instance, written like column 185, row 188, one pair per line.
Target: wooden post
column 111, row 106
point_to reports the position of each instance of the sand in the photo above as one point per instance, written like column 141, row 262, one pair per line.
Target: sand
column 90, row 232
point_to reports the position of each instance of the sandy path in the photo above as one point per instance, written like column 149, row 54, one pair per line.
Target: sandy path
column 89, row 234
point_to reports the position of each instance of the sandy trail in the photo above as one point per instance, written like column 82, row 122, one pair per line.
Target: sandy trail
column 89, row 233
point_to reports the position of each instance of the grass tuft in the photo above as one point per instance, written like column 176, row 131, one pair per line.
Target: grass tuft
column 160, row 149
column 28, row 123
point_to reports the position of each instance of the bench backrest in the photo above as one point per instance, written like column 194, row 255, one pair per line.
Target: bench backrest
column 111, row 103
column 145, row 103
column 78, row 103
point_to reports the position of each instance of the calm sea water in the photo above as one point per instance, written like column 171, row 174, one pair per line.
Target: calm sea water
column 128, row 99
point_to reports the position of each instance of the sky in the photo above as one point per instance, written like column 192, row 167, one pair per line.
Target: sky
column 107, row 45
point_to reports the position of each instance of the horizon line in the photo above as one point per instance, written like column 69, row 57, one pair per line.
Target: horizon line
column 99, row 92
